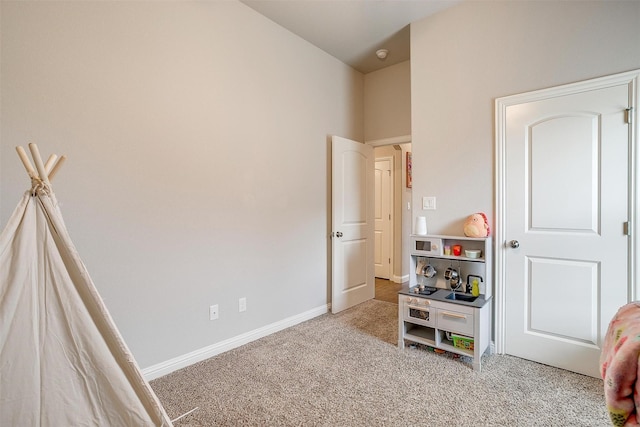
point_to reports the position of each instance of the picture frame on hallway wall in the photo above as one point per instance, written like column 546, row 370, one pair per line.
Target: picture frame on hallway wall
column 409, row 177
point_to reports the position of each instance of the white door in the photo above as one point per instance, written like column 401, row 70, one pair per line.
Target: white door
column 352, row 223
column 566, row 252
column 382, row 218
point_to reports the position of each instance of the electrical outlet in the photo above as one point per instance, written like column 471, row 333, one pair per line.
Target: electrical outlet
column 242, row 304
column 213, row 312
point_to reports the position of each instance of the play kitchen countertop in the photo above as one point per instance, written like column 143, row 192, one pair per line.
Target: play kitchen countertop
column 441, row 295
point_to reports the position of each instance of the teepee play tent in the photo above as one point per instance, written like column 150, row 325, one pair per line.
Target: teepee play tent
column 62, row 360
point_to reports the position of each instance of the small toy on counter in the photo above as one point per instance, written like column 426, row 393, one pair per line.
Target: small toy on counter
column 477, row 225
column 475, row 288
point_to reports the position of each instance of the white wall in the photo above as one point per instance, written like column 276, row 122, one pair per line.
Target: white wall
column 196, row 134
column 387, row 102
column 465, row 57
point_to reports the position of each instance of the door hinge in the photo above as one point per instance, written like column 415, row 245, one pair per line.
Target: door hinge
column 389, row 216
column 628, row 116
column 389, row 260
column 626, row 228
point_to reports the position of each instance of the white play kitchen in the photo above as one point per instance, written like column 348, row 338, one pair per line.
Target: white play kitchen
column 447, row 305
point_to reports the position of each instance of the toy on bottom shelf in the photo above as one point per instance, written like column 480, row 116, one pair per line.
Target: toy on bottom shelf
column 477, row 225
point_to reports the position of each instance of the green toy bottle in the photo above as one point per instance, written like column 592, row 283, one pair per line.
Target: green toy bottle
column 475, row 289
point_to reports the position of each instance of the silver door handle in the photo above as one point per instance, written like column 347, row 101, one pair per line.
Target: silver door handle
column 514, row 244
column 339, row 234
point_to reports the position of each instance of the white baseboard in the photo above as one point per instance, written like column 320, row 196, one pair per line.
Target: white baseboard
column 400, row 279
column 164, row 368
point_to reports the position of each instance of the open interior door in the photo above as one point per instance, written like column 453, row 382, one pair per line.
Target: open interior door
column 352, row 222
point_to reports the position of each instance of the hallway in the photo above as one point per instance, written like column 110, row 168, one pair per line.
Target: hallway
column 387, row 290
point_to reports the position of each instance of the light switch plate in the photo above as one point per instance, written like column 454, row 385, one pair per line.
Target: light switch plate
column 428, row 203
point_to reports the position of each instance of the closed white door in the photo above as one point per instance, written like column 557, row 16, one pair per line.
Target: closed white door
column 382, row 218
column 566, row 250
column 352, row 223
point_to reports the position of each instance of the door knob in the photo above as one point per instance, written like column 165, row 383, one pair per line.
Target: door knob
column 514, row 244
column 339, row 234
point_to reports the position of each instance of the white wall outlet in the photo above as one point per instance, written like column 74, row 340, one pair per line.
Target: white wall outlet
column 242, row 304
column 213, row 312
column 428, row 203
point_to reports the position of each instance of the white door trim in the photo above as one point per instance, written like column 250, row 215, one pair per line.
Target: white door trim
column 632, row 78
column 403, row 139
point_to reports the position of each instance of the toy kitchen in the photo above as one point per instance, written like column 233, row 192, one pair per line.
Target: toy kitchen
column 447, row 306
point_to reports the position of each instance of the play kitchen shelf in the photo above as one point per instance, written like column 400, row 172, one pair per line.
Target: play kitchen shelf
column 431, row 250
column 439, row 309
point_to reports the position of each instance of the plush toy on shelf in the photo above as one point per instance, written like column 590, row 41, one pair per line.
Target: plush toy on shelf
column 477, row 225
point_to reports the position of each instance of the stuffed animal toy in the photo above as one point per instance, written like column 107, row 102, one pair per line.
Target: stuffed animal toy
column 477, row 225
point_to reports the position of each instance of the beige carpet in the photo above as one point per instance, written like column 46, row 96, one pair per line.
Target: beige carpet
column 346, row 370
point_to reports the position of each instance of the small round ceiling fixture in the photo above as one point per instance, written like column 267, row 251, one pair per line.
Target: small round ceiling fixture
column 382, row 54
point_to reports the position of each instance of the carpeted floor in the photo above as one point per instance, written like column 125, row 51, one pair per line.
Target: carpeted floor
column 347, row 370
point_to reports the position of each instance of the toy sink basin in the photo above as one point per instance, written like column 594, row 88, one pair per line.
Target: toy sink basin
column 459, row 296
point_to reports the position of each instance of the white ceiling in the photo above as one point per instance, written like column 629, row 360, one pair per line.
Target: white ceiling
column 352, row 30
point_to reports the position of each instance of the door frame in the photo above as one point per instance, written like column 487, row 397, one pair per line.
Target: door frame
column 632, row 78
column 399, row 213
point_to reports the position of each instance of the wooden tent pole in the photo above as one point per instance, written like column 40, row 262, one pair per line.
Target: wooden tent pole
column 56, row 167
column 49, row 169
column 35, row 153
column 26, row 162
column 49, row 163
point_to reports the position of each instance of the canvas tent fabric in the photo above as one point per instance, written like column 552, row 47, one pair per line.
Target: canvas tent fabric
column 62, row 360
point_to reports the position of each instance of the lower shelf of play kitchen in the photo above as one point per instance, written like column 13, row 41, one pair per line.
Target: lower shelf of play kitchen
column 427, row 336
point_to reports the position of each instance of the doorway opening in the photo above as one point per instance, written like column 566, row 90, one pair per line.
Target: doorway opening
column 393, row 218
